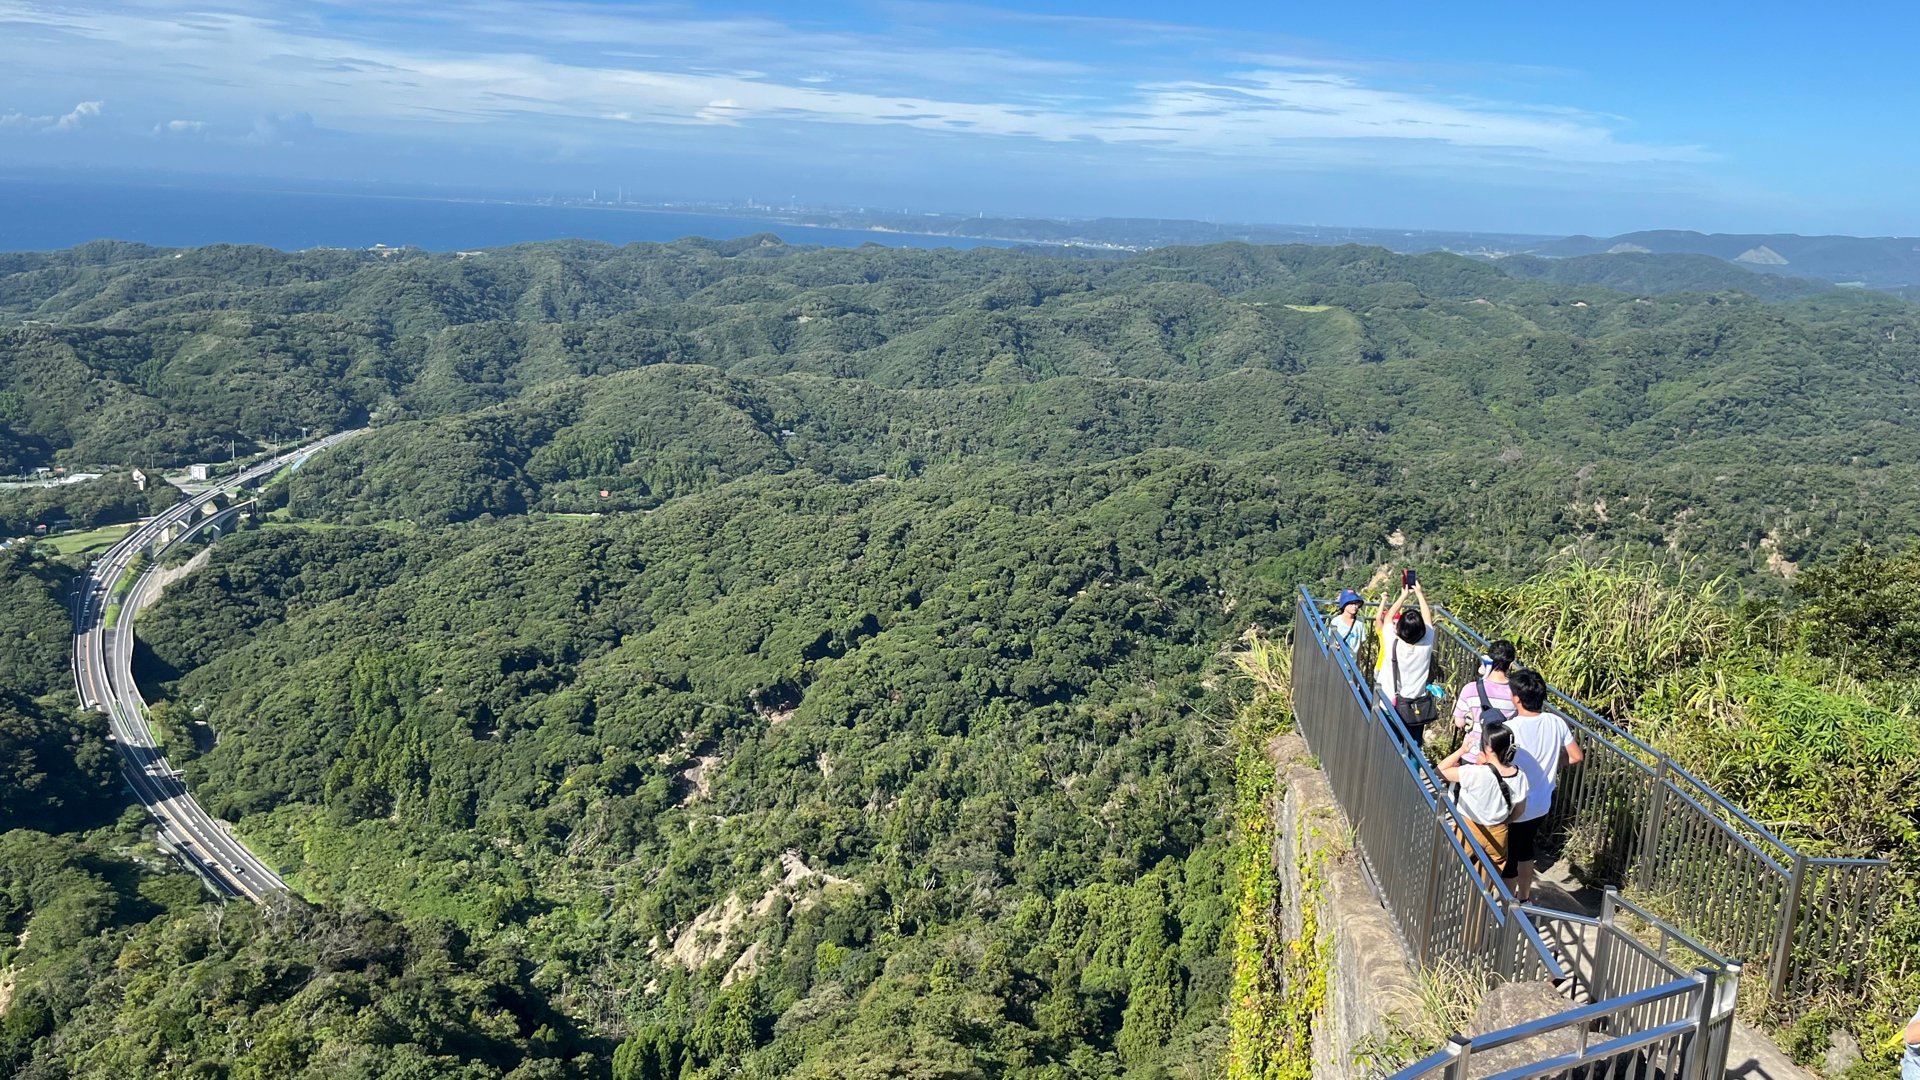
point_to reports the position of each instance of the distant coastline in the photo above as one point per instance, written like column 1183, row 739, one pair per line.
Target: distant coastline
column 1121, row 235
column 43, row 216
column 38, row 214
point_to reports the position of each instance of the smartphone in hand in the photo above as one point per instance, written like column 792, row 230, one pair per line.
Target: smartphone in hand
column 1409, row 579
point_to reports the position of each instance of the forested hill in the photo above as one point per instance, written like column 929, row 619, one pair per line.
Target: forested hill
column 1890, row 262
column 120, row 351
column 734, row 659
column 1649, row 272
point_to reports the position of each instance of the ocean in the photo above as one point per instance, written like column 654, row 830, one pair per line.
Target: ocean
column 42, row 216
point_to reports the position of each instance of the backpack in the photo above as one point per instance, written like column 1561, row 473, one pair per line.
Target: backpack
column 1486, row 703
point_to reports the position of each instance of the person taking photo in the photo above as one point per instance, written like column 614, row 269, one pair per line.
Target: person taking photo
column 1406, row 658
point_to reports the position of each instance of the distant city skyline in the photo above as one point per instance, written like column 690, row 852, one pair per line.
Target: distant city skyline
column 1406, row 116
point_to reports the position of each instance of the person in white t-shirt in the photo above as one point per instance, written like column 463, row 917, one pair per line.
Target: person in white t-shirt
column 1545, row 744
column 1492, row 791
column 1406, row 656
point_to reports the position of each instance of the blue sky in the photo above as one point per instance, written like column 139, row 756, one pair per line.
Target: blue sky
column 1537, row 118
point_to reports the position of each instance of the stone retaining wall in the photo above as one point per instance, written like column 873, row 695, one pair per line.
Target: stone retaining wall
column 1371, row 990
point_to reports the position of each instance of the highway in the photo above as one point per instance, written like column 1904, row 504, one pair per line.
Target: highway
column 103, row 676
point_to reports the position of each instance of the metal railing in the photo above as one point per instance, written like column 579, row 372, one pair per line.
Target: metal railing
column 1428, row 870
column 1629, row 816
column 1628, row 949
column 1666, row 1030
column 1661, row 1004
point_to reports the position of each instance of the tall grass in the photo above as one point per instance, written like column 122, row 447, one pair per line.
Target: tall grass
column 1613, row 632
column 1731, row 692
column 1268, row 665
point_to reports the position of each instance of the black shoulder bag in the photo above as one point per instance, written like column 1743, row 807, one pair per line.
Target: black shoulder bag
column 1421, row 708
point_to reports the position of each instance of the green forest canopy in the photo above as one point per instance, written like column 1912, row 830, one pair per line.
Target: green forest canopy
column 807, row 662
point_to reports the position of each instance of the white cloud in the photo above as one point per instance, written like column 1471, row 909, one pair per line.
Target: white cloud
column 1267, row 109
column 491, row 71
column 722, row 111
column 68, row 121
column 181, row 127
column 280, row 129
column 78, row 115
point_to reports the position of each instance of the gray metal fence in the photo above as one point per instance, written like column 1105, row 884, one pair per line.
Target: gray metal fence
column 1629, row 816
column 1628, row 949
column 1426, row 868
column 1668, row 1030
column 1661, row 1001
column 1661, row 1004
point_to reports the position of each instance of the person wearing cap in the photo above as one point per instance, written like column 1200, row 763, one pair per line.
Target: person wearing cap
column 1345, row 627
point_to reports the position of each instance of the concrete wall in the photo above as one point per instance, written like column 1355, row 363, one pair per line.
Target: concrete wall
column 1371, row 990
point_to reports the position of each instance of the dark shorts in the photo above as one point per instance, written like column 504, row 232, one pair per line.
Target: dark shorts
column 1523, row 838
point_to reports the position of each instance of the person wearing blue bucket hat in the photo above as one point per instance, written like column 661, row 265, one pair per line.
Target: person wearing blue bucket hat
column 1345, row 627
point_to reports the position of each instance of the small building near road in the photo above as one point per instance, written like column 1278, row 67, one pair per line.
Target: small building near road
column 199, row 472
column 139, row 480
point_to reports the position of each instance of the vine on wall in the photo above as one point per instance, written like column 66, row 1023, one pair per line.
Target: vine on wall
column 1279, row 983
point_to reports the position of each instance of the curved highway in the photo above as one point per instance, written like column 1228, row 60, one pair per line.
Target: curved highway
column 103, row 675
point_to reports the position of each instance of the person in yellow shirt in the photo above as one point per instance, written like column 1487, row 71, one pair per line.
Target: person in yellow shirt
column 1910, row 1058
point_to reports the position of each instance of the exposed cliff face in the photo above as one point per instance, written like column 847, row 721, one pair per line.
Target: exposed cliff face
column 167, row 575
column 715, row 932
column 1761, row 256
column 1370, row 999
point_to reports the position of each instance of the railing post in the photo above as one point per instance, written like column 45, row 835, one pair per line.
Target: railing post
column 1644, row 859
column 1600, row 984
column 1698, row 1065
column 1789, row 927
column 1436, row 842
column 1720, row 1037
column 1460, row 1050
column 1508, row 958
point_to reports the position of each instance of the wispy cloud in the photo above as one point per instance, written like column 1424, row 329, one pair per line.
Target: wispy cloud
column 1269, row 110
column 553, row 70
